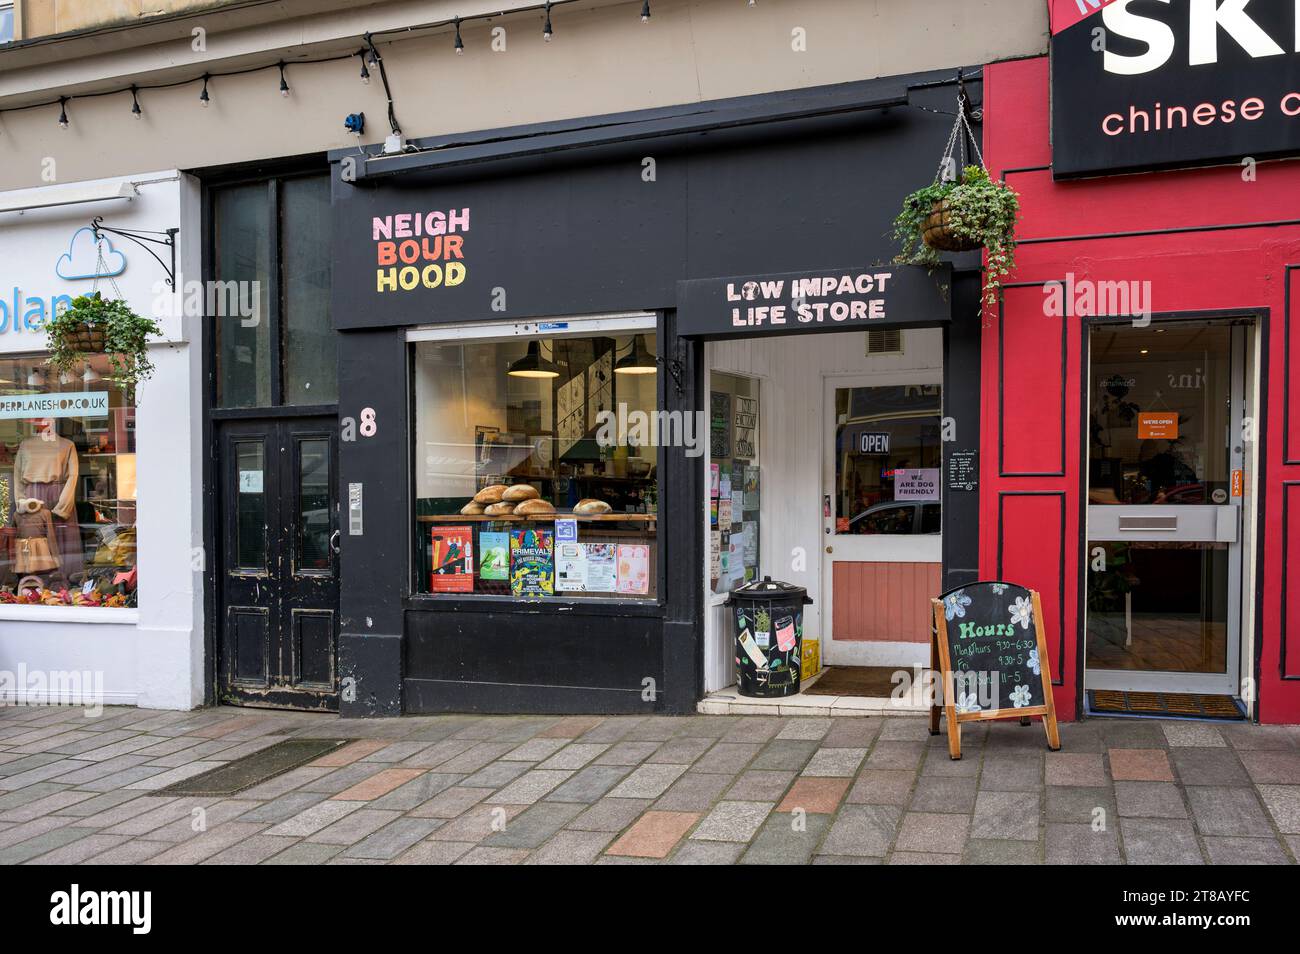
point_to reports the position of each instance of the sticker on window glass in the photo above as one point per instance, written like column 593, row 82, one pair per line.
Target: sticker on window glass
column 1158, row 426
column 250, row 481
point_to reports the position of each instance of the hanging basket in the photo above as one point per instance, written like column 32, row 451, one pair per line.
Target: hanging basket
column 937, row 233
column 85, row 338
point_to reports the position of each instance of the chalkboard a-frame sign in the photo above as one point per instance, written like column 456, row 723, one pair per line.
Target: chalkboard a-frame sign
column 990, row 651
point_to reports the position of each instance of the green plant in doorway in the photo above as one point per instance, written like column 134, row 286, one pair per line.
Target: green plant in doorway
column 963, row 215
column 92, row 324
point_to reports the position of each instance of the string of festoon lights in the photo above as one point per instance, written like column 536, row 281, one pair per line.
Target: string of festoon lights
column 368, row 55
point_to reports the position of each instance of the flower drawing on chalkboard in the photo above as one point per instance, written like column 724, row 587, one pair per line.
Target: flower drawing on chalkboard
column 998, row 588
column 1035, row 666
column 1020, row 696
column 968, row 702
column 1021, row 611
column 954, row 604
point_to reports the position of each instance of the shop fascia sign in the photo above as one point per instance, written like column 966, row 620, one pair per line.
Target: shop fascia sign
column 21, row 310
column 1151, row 84
column 836, row 299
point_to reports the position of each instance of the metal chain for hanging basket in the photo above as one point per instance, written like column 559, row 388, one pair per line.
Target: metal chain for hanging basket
column 85, row 337
column 936, row 230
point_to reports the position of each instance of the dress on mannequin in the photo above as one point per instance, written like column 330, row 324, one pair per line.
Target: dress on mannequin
column 45, row 469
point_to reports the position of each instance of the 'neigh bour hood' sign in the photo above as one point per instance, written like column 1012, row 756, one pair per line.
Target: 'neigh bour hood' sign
column 833, row 299
column 1151, row 84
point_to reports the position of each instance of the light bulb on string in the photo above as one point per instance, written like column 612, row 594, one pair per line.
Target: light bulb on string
column 284, row 84
column 365, row 71
column 460, row 44
column 63, row 112
column 645, row 11
column 204, row 98
column 547, row 32
column 136, row 112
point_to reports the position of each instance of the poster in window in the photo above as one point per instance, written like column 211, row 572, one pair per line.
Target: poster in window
column 719, row 424
column 570, row 568
column 451, row 560
column 633, row 568
column 570, row 411
column 532, row 562
column 746, row 427
column 602, row 567
column 494, row 556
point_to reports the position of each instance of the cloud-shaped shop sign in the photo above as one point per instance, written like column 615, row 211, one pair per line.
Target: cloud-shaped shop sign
column 82, row 261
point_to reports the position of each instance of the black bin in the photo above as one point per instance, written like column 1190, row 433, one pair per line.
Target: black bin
column 768, row 618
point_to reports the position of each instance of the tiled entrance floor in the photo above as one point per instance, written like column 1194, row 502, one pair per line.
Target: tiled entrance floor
column 702, row 789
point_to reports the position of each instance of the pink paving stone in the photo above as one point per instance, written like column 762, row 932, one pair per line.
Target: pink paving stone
column 378, row 784
column 819, row 796
column 350, row 753
column 1140, row 765
column 1076, row 768
column 654, row 834
column 225, row 727
column 571, row 727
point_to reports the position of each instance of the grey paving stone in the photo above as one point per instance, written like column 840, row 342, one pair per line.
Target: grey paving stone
column 304, row 853
column 75, row 852
column 530, row 787
column 835, row 763
column 810, row 729
column 495, row 775
column 1160, row 841
column 1226, row 811
column 1272, row 767
column 212, row 814
column 693, row 792
column 1080, row 845
column 396, row 751
column 99, row 803
column 453, row 802
column 628, row 753
column 205, row 845
column 610, row 814
column 648, row 781
column 280, row 809
column 1149, row 800
column 882, row 787
column 16, row 854
column 1208, row 766
column 283, row 784
column 535, row 750
column 611, row 730
column 944, row 795
column 575, row 755
column 897, row 755
column 863, row 830
column 1192, row 734
column 783, row 840
column 313, row 819
column 922, row 858
column 133, row 851
column 727, row 758
column 845, row 860
column 755, row 729
column 1021, row 772
column 433, row 853
column 438, row 753
column 393, row 839
column 1283, row 803
column 907, row 730
column 43, row 798
column 1006, row 815
column 707, row 726
column 933, row 832
column 532, row 828
column 1252, row 738
column 252, row 851
column 475, row 758
column 480, row 855
column 785, row 755
column 938, row 763
column 589, row 784
column 353, row 827
column 980, row 851
column 1244, row 851
column 732, row 821
column 417, row 791
column 852, row 732
column 1079, row 805
column 706, row 853
column 570, row 847
column 761, row 785
column 682, row 751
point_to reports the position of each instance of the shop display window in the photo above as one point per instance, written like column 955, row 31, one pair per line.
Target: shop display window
column 67, row 486
column 733, row 481
column 535, row 467
column 888, row 460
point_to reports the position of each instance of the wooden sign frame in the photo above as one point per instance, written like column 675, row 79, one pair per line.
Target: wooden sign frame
column 942, row 664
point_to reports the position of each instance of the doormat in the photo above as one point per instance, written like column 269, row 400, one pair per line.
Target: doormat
column 254, row 769
column 1165, row 705
column 875, row 681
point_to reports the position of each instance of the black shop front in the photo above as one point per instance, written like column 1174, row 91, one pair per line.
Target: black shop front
column 524, row 455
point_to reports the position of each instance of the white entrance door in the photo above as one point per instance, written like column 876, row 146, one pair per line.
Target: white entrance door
column 881, row 522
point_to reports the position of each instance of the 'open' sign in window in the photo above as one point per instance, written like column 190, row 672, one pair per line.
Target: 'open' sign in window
column 875, row 443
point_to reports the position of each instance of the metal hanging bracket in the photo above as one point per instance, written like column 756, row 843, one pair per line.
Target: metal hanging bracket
column 141, row 238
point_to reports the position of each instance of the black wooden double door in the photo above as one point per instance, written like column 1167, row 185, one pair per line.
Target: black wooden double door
column 278, row 581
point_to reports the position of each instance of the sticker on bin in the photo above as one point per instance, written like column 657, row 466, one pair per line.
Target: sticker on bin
column 785, row 634
column 751, row 649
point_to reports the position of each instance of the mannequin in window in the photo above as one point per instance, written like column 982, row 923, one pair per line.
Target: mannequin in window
column 45, row 469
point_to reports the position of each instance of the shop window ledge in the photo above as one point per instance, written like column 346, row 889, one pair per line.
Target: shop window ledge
column 118, row 616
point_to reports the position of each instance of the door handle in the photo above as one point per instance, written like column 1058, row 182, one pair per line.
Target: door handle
column 334, row 542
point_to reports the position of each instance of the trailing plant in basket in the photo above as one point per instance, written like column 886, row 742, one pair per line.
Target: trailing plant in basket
column 975, row 211
column 125, row 336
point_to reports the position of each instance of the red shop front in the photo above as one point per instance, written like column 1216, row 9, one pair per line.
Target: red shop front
column 1141, row 402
